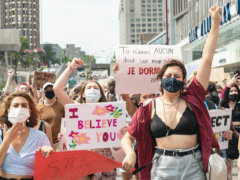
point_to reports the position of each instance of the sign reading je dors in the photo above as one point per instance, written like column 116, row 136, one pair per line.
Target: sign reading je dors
column 221, row 120
column 139, row 66
column 94, row 125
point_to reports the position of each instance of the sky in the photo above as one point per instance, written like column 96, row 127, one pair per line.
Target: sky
column 92, row 25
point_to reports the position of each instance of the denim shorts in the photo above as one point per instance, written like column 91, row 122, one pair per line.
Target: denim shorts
column 187, row 167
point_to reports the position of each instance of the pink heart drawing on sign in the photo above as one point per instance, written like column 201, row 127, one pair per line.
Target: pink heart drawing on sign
column 120, row 135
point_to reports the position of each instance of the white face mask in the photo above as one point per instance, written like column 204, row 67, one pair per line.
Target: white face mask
column 18, row 115
column 92, row 95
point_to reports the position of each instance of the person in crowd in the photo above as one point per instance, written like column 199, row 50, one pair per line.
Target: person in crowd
column 173, row 123
column 8, row 83
column 18, row 140
column 52, row 112
column 231, row 99
column 91, row 92
column 219, row 89
column 74, row 93
column 213, row 94
column 111, row 95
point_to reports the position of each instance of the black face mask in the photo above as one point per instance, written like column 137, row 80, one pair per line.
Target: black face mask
column 50, row 94
column 233, row 97
column 171, row 84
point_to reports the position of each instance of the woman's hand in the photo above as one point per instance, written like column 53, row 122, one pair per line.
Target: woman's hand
column 129, row 161
column 123, row 130
column 233, row 80
column 228, row 135
column 60, row 135
column 216, row 13
column 46, row 150
column 11, row 73
column 115, row 67
column 76, row 63
column 15, row 131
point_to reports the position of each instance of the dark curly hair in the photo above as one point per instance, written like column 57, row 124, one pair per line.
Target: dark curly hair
column 5, row 105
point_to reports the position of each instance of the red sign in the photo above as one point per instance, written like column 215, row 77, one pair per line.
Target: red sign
column 71, row 165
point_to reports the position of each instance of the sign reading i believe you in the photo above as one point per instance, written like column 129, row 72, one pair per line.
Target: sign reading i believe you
column 139, row 66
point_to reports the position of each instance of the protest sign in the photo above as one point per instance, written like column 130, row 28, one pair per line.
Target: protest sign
column 71, row 165
column 221, row 120
column 94, row 125
column 191, row 68
column 40, row 78
column 63, row 141
column 139, row 66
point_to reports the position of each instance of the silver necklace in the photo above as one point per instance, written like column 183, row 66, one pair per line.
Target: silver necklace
column 167, row 127
column 171, row 104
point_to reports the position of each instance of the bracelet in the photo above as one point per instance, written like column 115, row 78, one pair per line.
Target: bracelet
column 73, row 68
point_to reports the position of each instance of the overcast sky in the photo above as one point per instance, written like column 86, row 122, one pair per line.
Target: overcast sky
column 90, row 24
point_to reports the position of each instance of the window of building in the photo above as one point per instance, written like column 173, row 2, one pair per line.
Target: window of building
column 143, row 25
column 154, row 19
column 148, row 14
column 143, row 30
column 149, row 25
column 18, row 5
column 154, row 30
column 132, row 30
column 143, row 20
column 160, row 14
column 149, row 5
column 149, row 19
column 132, row 35
column 148, row 10
column 154, row 14
column 154, row 10
column 143, row 14
column 143, row 1
column 131, row 10
column 149, row 30
column 132, row 25
column 138, row 25
column 19, row 25
column 133, row 41
column 143, row 6
column 132, row 19
column 154, row 24
column 138, row 30
column 154, row 1
column 138, row 20
column 13, row 5
column 160, row 24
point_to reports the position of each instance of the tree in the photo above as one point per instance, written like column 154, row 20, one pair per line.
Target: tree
column 21, row 58
column 113, row 58
column 66, row 58
column 50, row 54
column 89, row 61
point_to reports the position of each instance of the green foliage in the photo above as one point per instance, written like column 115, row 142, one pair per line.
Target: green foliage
column 113, row 58
column 66, row 58
column 50, row 54
column 3, row 84
column 88, row 59
column 22, row 59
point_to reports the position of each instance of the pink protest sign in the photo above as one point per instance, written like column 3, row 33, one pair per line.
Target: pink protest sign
column 139, row 66
column 94, row 125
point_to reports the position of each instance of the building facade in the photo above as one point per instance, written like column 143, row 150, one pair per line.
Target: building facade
column 22, row 15
column 72, row 51
column 192, row 26
column 137, row 17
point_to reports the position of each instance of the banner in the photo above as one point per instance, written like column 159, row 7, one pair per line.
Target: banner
column 40, row 78
column 94, row 125
column 71, row 165
column 221, row 120
column 139, row 66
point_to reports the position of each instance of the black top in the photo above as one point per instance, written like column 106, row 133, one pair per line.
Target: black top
column 187, row 125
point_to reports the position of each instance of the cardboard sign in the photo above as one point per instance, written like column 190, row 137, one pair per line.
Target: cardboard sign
column 221, row 120
column 94, row 125
column 139, row 66
column 71, row 165
column 40, row 78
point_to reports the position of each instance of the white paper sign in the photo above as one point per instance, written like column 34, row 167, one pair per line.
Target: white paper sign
column 221, row 120
column 94, row 125
column 139, row 66
column 63, row 140
column 190, row 68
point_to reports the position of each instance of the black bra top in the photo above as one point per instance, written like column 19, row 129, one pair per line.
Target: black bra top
column 187, row 125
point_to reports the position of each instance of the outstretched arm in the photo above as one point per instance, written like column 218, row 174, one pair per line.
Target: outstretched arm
column 61, row 81
column 10, row 76
column 204, row 70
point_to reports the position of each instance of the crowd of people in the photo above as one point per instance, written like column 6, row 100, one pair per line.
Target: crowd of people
column 167, row 135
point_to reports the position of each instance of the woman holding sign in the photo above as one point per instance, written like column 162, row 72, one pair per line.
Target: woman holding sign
column 174, row 131
column 230, row 99
column 91, row 92
column 18, row 140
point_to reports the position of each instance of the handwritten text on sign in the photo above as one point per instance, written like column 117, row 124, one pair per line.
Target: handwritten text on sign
column 221, row 120
column 71, row 165
column 139, row 66
column 94, row 125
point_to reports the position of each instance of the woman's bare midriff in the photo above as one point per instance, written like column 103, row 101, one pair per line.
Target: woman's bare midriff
column 8, row 176
column 177, row 141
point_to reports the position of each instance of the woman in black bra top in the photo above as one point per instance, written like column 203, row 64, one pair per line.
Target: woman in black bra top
column 177, row 125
